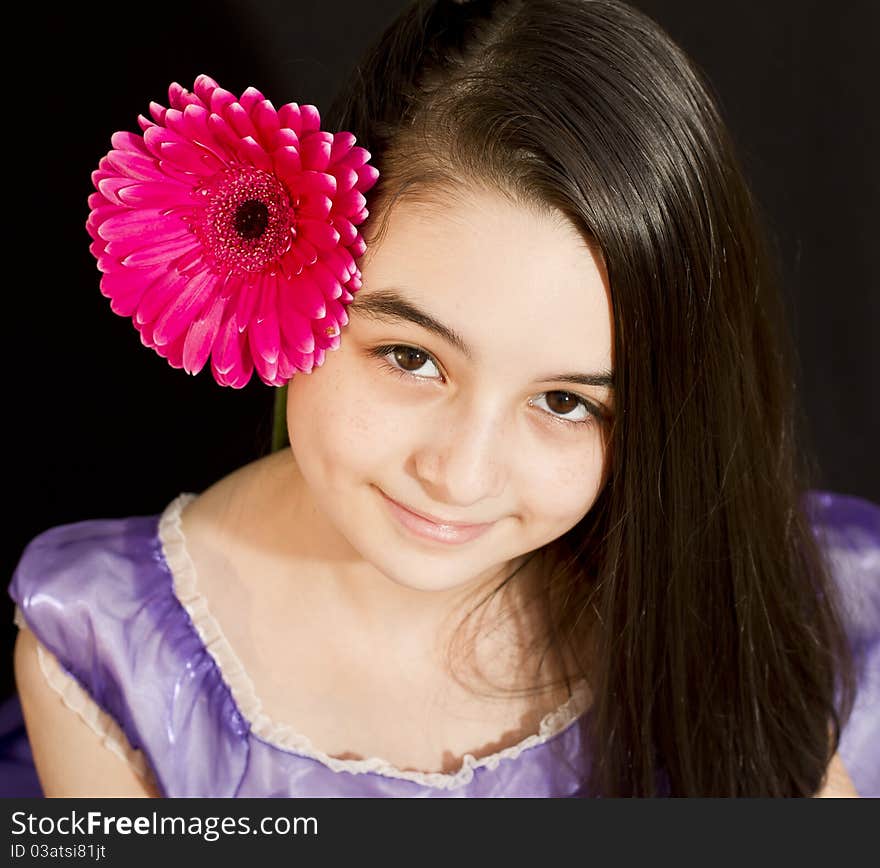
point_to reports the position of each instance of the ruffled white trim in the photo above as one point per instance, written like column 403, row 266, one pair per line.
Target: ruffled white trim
column 185, row 580
column 77, row 698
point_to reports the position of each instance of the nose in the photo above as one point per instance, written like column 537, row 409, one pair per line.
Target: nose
column 460, row 460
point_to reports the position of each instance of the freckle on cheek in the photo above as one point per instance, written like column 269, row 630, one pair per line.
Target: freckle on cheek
column 359, row 421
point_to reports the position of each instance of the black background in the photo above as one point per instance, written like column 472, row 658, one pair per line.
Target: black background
column 98, row 426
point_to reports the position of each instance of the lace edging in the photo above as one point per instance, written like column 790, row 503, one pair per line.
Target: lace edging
column 233, row 673
column 77, row 698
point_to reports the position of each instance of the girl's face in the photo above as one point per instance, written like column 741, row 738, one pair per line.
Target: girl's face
column 448, row 392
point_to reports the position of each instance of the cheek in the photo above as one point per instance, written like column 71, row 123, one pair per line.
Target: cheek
column 335, row 422
column 565, row 483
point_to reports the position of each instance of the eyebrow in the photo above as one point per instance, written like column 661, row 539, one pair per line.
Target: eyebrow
column 389, row 305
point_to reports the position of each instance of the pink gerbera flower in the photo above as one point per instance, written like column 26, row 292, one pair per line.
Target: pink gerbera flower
column 227, row 230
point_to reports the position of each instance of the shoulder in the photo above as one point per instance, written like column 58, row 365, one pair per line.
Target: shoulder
column 837, row 784
column 71, row 574
column 77, row 749
column 848, row 530
column 56, row 551
column 109, row 657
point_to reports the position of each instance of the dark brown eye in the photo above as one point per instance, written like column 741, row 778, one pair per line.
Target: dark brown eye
column 410, row 359
column 562, row 402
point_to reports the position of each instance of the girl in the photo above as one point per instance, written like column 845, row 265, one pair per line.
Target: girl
column 538, row 526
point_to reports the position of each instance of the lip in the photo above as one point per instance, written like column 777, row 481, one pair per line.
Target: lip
column 436, row 531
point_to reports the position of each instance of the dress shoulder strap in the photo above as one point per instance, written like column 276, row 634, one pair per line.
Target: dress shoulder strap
column 99, row 596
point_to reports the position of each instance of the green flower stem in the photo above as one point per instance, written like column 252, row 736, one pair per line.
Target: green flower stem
column 279, row 419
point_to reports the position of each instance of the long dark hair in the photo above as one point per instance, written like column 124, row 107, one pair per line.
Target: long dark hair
column 693, row 596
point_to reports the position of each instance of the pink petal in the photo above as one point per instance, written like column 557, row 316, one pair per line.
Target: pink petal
column 150, row 253
column 335, row 262
column 304, row 295
column 96, row 248
column 346, row 178
column 192, row 125
column 349, row 203
column 337, row 310
column 290, row 115
column 250, row 98
column 228, row 285
column 287, row 165
column 97, row 216
column 194, row 122
column 227, row 348
column 223, row 134
column 246, row 301
column 155, row 137
column 139, row 223
column 315, row 207
column 265, row 338
column 367, row 177
column 329, row 328
column 156, row 194
column 292, row 262
column 302, row 361
column 265, row 119
column 124, row 289
column 109, row 186
column 165, row 286
column 306, row 250
column 201, row 335
column 204, row 86
column 314, row 150
column 296, row 329
column 157, row 112
column 316, row 183
column 348, row 259
column 191, row 261
column 359, row 246
column 342, row 144
column 220, row 98
column 249, row 151
column 325, row 280
column 311, row 119
column 132, row 164
column 185, row 307
column 238, row 119
column 355, row 158
column 286, row 369
column 189, row 158
column 180, row 97
column 126, row 141
column 354, row 284
column 267, row 371
column 231, row 361
column 173, row 352
column 327, row 334
column 286, row 138
column 347, row 232
column 319, row 233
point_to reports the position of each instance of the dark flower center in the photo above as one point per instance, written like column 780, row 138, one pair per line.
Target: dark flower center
column 244, row 219
column 251, row 219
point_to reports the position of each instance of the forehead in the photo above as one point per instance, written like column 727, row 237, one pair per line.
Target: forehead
column 506, row 276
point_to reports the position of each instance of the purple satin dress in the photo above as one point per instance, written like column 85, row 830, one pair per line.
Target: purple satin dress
column 134, row 649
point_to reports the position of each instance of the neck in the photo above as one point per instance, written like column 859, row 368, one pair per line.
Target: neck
column 311, row 559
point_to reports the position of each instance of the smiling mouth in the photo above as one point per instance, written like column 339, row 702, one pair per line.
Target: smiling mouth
column 428, row 528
